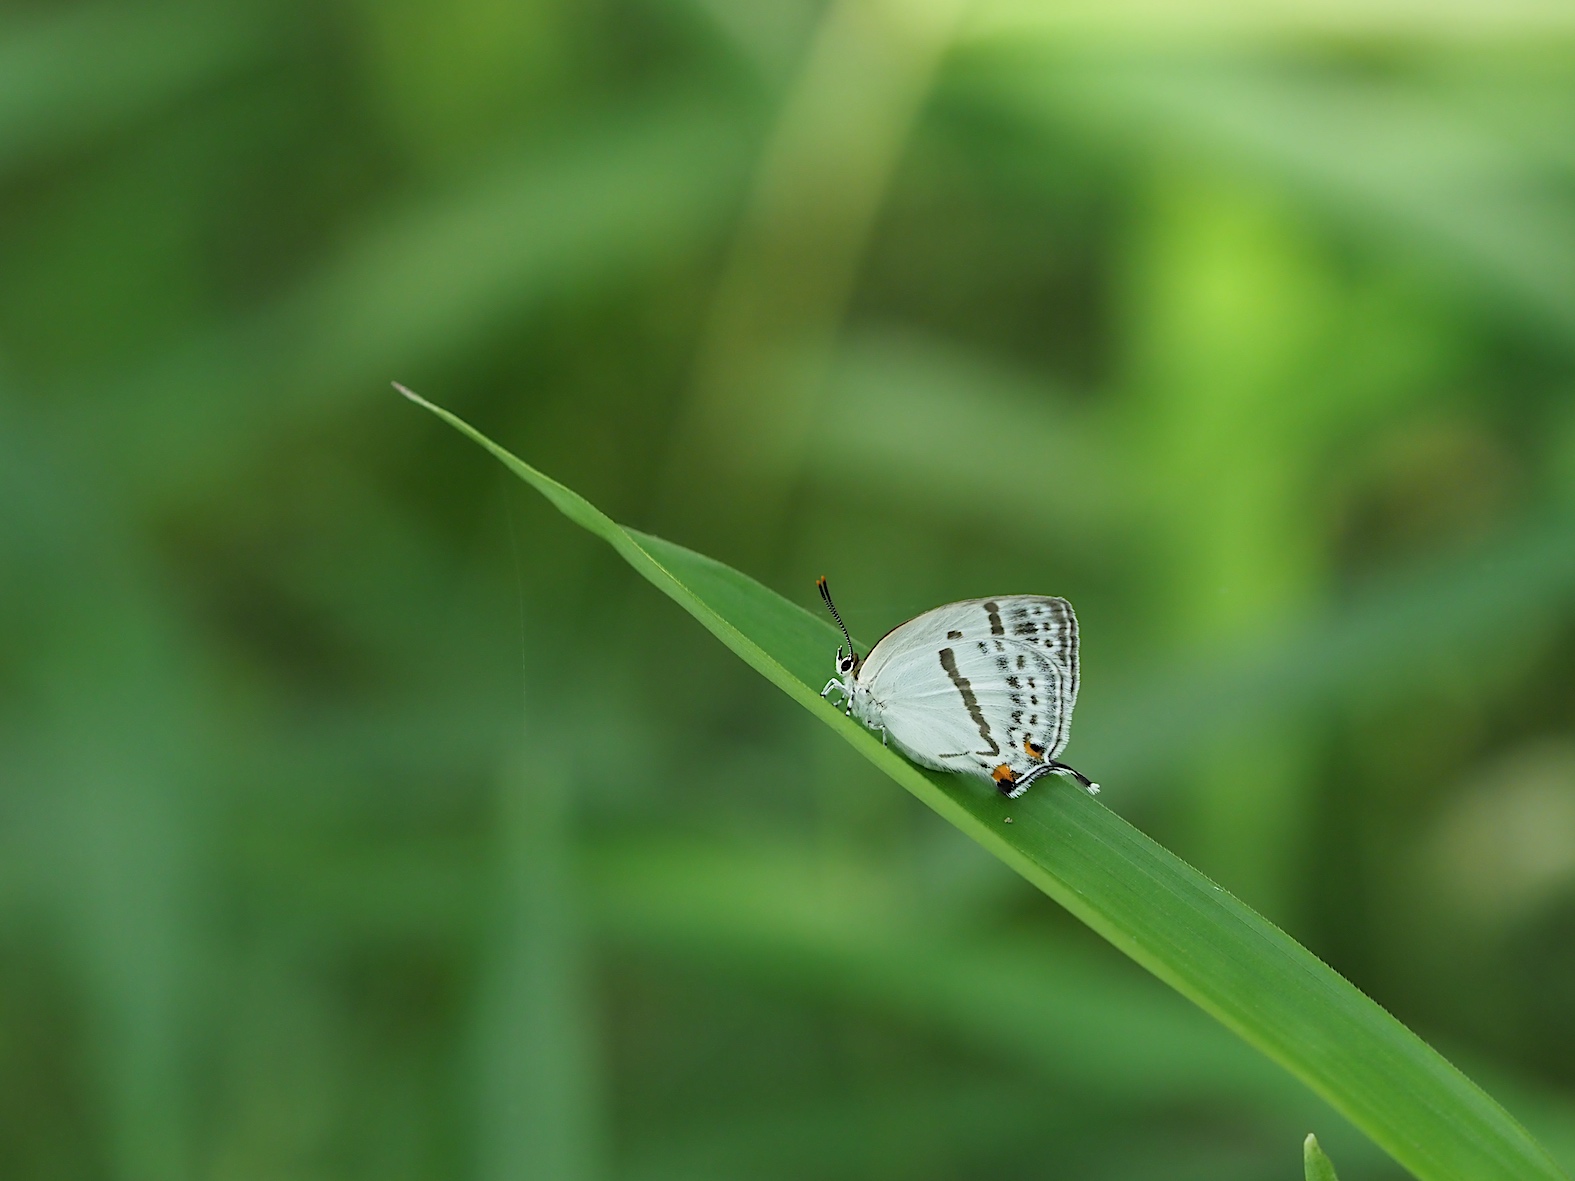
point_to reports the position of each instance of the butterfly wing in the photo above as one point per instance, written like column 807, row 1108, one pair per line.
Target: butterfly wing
column 978, row 685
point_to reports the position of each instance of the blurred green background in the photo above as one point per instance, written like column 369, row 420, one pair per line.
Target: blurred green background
column 362, row 818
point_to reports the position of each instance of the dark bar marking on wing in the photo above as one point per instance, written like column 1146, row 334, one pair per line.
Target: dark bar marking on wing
column 949, row 663
column 994, row 609
column 954, row 635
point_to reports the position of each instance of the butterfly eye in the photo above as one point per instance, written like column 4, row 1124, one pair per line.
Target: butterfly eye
column 845, row 665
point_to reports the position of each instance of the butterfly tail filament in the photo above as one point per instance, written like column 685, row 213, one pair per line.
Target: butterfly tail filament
column 1013, row 786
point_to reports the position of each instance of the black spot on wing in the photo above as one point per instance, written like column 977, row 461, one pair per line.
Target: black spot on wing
column 1020, row 623
column 1061, row 636
column 954, row 635
column 993, row 609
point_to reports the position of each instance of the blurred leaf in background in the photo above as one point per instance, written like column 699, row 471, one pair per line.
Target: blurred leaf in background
column 360, row 818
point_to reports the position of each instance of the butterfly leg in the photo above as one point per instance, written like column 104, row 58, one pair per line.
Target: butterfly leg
column 834, row 683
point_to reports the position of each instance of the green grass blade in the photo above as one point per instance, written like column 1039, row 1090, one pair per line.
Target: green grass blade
column 1189, row 932
column 1317, row 1165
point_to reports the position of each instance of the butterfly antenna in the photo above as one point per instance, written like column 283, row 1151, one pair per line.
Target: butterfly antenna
column 825, row 593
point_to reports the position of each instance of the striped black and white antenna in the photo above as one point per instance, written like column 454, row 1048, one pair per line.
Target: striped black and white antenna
column 825, row 593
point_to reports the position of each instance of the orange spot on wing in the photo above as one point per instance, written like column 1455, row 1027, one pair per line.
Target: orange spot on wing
column 1033, row 749
column 1003, row 774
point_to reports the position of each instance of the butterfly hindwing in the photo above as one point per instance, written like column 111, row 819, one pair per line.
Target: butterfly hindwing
column 985, row 686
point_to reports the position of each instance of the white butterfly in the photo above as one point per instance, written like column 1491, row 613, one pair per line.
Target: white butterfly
column 985, row 687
